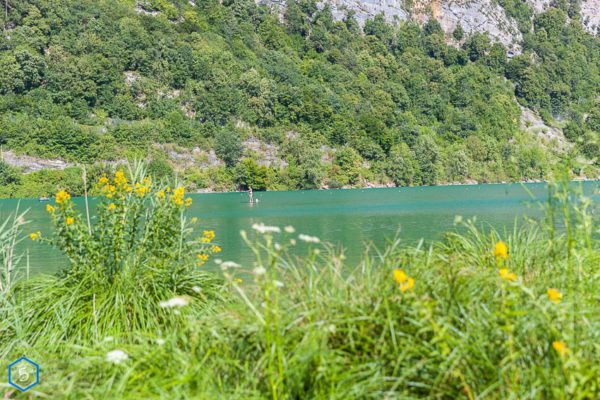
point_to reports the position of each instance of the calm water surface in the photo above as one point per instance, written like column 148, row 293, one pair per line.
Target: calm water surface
column 348, row 218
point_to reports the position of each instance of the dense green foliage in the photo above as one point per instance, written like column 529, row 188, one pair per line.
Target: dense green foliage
column 93, row 80
column 471, row 317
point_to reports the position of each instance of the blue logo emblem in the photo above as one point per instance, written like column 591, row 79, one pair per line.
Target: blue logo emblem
column 23, row 374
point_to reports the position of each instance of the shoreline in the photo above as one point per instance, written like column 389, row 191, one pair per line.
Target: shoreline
column 382, row 186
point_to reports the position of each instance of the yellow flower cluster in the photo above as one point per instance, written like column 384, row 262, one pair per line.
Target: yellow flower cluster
column 35, row 235
column 506, row 275
column 49, row 208
column 501, row 251
column 208, row 236
column 202, row 258
column 62, row 197
column 178, row 195
column 70, row 220
column 554, row 296
column 405, row 283
column 215, row 249
column 143, row 188
column 560, row 347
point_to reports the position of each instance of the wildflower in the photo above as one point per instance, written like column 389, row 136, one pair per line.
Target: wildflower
column 203, row 257
column 196, row 289
column 194, row 220
column 239, row 280
column 208, row 235
column 160, row 341
column 62, row 197
column 178, row 195
column 501, row 250
column 177, row 301
column 289, row 229
column 554, row 296
column 34, row 235
column 408, row 285
column 308, row 239
column 70, row 220
column 506, row 275
column 188, row 202
column 399, row 276
column 262, row 228
column 279, row 284
column 229, row 264
column 215, row 249
column 116, row 356
column 112, row 206
column 49, row 208
column 259, row 271
column 141, row 190
column 120, row 178
column 160, row 194
column 560, row 347
column 147, row 181
column 103, row 180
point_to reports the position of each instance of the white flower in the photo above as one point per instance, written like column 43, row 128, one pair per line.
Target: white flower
column 229, row 264
column 160, row 341
column 458, row 219
column 177, row 301
column 293, row 242
column 289, row 229
column 262, row 228
column 218, row 261
column 116, row 356
column 331, row 328
column 309, row 239
column 279, row 284
column 109, row 339
column 277, row 246
column 196, row 289
column 259, row 270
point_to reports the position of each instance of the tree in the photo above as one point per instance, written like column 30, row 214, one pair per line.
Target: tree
column 228, row 147
column 427, row 155
column 400, row 165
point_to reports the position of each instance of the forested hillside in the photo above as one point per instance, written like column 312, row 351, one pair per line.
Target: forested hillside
column 229, row 94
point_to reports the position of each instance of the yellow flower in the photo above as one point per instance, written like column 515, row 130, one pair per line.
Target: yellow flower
column 147, row 181
column 554, row 296
column 203, row 257
column 49, row 208
column 120, row 178
column 178, row 195
column 62, row 197
column 160, row 195
column 70, row 220
column 215, row 249
column 112, row 206
column 188, row 202
column 200, row 263
column 239, row 280
column 399, row 276
column 560, row 347
column 34, row 235
column 408, row 285
column 141, row 190
column 506, row 275
column 103, row 180
column 501, row 250
column 194, row 220
column 209, row 235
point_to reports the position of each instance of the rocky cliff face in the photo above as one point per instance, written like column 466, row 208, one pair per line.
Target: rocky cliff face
column 473, row 15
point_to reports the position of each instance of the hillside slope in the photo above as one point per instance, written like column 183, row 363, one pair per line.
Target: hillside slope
column 235, row 94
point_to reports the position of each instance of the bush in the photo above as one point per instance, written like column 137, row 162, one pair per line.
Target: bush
column 228, row 147
column 139, row 252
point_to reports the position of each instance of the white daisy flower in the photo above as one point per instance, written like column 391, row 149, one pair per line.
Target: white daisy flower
column 309, row 239
column 116, row 356
column 262, row 228
column 177, row 301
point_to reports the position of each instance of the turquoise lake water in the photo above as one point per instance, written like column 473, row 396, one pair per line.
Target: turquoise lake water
column 348, row 218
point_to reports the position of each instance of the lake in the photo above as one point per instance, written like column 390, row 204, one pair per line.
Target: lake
column 348, row 218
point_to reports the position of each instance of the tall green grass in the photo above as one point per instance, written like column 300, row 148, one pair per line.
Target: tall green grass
column 314, row 327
